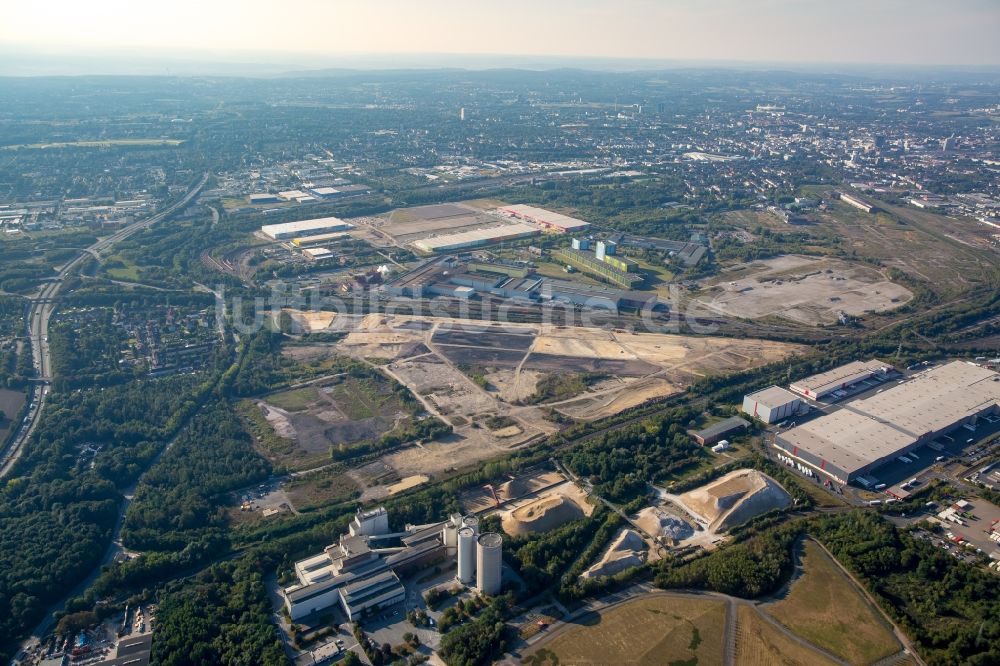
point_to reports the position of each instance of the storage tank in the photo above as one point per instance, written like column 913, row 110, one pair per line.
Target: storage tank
column 466, row 555
column 449, row 535
column 489, row 563
column 473, row 522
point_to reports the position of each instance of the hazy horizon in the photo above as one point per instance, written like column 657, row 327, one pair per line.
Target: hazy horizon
column 314, row 34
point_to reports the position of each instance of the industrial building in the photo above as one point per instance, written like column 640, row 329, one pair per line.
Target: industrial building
column 860, row 204
column 719, row 431
column 841, row 379
column 690, row 253
column 544, row 218
column 361, row 571
column 448, row 276
column 263, row 199
column 317, row 253
column 476, row 238
column 596, row 265
column 772, row 404
column 305, row 228
column 856, row 439
column 296, row 195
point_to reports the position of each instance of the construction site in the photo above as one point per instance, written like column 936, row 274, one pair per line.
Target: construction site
column 494, row 383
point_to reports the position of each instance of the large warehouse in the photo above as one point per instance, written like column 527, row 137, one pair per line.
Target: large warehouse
column 304, row 228
column 476, row 238
column 865, row 434
column 545, row 218
column 827, row 383
column 772, row 404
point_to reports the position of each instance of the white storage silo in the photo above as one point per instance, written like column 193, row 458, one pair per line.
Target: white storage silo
column 466, row 555
column 489, row 563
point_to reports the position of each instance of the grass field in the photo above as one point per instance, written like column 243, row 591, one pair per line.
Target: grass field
column 107, row 143
column 296, row 400
column 120, row 268
column 321, row 488
column 354, row 403
column 664, row 630
column 947, row 255
column 825, row 608
column 760, row 644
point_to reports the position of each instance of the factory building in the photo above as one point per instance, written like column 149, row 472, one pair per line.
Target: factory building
column 382, row 589
column 865, row 434
column 372, row 523
column 263, row 199
column 834, row 382
column 361, row 570
column 305, row 228
column 860, row 204
column 545, row 218
column 489, row 563
column 595, row 265
column 476, row 238
column 771, row 405
column 445, row 276
column 317, row 253
column 323, row 578
column 719, row 431
column 296, row 195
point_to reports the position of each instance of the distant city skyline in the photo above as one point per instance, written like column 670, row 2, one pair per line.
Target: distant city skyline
column 800, row 32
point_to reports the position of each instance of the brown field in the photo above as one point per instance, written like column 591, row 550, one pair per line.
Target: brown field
column 824, row 608
column 806, row 290
column 466, row 371
column 655, row 630
column 760, row 644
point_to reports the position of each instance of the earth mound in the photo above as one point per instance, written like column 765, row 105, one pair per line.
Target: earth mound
column 543, row 514
column 735, row 499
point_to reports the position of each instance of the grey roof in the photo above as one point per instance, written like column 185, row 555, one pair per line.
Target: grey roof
column 773, row 396
column 724, row 427
column 866, row 431
column 831, row 380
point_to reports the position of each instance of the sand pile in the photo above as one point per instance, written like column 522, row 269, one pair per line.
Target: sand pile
column 625, row 551
column 513, row 488
column 658, row 523
column 541, row 515
column 735, row 499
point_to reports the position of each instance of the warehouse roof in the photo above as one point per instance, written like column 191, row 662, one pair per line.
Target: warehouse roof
column 844, row 375
column 722, row 428
column 868, row 430
column 547, row 217
column 305, row 225
column 773, row 396
column 477, row 236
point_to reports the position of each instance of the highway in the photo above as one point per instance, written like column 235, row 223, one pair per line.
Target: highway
column 43, row 304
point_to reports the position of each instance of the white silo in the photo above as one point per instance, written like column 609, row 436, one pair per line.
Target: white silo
column 466, row 555
column 489, row 563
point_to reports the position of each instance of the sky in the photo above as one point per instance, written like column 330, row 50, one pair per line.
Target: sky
column 908, row 32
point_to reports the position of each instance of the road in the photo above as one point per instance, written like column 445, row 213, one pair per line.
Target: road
column 43, row 306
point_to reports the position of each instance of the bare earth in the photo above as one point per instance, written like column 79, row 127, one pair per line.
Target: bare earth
column 805, row 290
